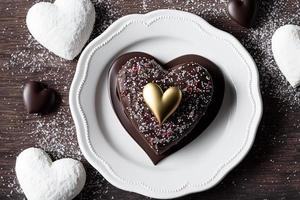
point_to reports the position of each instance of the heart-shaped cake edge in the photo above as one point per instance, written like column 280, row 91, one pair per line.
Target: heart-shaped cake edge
column 212, row 111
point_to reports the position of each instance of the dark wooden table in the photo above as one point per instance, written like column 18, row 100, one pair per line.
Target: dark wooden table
column 271, row 169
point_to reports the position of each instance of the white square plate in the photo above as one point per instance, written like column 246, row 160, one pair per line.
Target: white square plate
column 165, row 34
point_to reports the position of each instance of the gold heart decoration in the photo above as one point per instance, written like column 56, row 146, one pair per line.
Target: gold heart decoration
column 162, row 104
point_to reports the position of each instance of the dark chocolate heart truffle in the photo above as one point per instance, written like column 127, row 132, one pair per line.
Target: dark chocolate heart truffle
column 202, row 86
column 38, row 98
column 243, row 11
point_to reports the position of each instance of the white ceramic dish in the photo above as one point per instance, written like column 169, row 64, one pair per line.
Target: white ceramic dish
column 200, row 165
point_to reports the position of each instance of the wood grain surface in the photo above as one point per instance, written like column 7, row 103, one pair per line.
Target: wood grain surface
column 270, row 170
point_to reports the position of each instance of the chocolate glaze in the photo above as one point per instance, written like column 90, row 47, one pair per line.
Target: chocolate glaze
column 205, row 119
column 243, row 11
column 38, row 98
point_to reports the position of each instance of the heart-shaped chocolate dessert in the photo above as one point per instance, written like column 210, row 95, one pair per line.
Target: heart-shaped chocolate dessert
column 38, row 98
column 243, row 11
column 201, row 85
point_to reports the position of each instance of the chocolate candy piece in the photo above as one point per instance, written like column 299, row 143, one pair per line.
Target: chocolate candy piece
column 38, row 98
column 202, row 86
column 243, row 11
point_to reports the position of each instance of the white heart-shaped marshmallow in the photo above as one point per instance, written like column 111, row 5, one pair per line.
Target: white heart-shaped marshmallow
column 42, row 179
column 62, row 27
column 286, row 51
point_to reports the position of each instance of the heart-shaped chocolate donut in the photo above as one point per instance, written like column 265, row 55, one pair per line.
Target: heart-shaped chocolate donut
column 200, row 81
column 38, row 98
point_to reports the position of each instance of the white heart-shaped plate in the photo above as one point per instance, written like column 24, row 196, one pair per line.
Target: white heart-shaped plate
column 165, row 34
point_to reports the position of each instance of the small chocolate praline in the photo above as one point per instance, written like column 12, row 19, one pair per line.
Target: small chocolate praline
column 243, row 11
column 38, row 98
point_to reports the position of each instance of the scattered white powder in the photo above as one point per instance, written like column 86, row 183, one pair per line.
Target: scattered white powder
column 258, row 42
column 286, row 50
column 56, row 132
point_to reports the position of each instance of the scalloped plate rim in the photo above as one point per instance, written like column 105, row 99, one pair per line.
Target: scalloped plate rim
column 81, row 127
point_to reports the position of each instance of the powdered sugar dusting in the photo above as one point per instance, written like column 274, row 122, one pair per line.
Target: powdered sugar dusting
column 55, row 133
column 21, row 61
column 258, row 42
